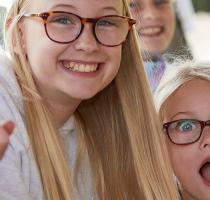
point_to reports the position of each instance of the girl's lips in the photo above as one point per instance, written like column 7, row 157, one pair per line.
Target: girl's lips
column 81, row 72
column 150, row 31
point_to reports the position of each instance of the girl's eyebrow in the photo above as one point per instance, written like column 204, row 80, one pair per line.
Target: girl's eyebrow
column 111, row 9
column 108, row 8
column 180, row 113
column 63, row 6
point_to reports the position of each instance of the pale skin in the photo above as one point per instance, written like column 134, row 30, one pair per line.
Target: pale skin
column 191, row 101
column 155, row 23
column 64, row 90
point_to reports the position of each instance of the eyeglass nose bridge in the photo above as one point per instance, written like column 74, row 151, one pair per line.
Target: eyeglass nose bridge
column 85, row 21
column 204, row 124
column 88, row 20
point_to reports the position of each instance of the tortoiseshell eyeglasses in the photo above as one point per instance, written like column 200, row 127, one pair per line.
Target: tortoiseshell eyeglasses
column 64, row 27
column 185, row 131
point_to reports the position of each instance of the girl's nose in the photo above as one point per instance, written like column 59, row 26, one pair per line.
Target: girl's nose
column 87, row 41
column 149, row 12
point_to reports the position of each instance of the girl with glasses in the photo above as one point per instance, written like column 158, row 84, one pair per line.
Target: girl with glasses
column 79, row 98
column 183, row 101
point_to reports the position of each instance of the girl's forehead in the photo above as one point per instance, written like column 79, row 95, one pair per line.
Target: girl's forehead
column 80, row 5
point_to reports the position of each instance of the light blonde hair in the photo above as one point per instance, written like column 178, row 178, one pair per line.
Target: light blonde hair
column 176, row 75
column 118, row 128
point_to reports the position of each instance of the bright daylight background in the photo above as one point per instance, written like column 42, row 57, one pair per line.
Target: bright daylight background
column 5, row 3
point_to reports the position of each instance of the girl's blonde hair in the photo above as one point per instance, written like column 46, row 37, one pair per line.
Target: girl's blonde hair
column 118, row 128
column 176, row 75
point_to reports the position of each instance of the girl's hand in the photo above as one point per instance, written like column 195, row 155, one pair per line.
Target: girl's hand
column 6, row 128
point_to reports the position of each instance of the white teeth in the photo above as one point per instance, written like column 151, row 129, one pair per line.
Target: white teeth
column 150, row 31
column 87, row 69
column 81, row 68
column 78, row 67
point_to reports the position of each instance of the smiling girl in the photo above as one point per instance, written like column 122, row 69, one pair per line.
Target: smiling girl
column 79, row 98
column 155, row 23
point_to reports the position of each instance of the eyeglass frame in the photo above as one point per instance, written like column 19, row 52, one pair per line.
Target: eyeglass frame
column 203, row 124
column 83, row 20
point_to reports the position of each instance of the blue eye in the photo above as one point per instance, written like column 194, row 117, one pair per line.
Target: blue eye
column 105, row 22
column 185, row 125
column 62, row 20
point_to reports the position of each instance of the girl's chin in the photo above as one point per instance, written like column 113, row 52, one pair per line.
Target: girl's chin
column 154, row 47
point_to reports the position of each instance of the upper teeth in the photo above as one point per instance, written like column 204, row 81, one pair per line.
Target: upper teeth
column 81, row 67
column 150, row 31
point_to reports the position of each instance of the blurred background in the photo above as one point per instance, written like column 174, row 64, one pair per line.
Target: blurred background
column 193, row 28
column 4, row 6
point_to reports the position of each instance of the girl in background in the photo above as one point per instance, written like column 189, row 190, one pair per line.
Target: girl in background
column 156, row 27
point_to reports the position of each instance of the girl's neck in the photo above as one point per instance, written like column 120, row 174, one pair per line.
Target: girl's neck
column 62, row 112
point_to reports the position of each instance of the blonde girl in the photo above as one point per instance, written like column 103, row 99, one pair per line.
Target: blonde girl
column 86, row 126
column 182, row 100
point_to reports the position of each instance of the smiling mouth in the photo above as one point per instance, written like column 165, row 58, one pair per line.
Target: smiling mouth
column 150, row 31
column 80, row 67
column 205, row 172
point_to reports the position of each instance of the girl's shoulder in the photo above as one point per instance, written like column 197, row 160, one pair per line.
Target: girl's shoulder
column 11, row 102
column 9, row 89
column 8, row 80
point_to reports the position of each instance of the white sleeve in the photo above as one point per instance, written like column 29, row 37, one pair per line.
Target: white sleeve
column 19, row 178
column 12, row 185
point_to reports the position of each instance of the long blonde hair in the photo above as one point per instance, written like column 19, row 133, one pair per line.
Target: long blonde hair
column 118, row 128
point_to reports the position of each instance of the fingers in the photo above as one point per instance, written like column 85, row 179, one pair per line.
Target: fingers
column 6, row 129
column 8, row 126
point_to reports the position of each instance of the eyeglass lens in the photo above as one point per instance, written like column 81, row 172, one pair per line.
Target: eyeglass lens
column 184, row 131
column 66, row 27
